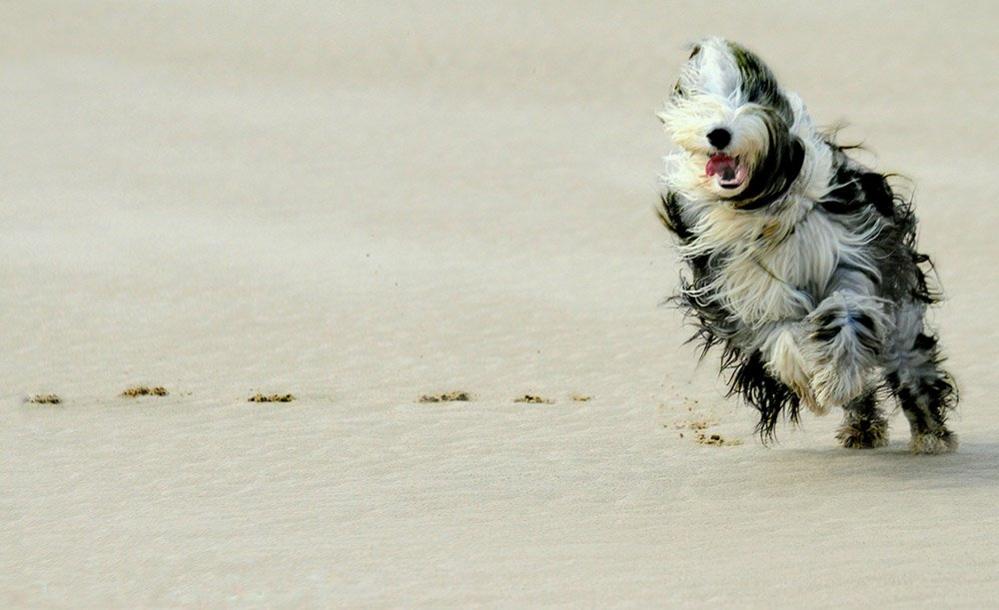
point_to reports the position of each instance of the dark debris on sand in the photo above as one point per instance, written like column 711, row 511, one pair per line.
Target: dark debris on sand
column 45, row 399
column 141, row 390
column 534, row 399
column 447, row 397
column 715, row 439
column 271, row 398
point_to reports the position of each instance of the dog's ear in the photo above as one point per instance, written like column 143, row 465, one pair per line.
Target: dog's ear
column 796, row 159
column 759, row 85
column 678, row 90
column 775, row 175
column 710, row 68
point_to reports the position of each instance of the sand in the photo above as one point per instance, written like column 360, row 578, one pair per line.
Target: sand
column 363, row 203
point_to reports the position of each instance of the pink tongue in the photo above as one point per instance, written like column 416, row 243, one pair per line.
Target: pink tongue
column 717, row 164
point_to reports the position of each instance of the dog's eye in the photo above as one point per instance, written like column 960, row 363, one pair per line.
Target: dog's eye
column 678, row 90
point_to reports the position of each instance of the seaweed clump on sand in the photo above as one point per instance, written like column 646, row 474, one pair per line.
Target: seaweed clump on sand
column 534, row 399
column 271, row 398
column 45, row 399
column 447, row 397
column 141, row 390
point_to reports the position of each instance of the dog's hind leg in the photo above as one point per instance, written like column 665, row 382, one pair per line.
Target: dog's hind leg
column 925, row 391
column 864, row 427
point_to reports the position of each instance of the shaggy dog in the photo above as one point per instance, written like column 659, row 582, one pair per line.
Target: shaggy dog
column 802, row 261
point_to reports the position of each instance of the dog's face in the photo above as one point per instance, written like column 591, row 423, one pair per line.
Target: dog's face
column 734, row 125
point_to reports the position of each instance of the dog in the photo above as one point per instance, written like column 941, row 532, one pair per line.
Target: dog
column 802, row 262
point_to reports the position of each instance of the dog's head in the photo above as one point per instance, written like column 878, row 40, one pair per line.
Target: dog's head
column 735, row 127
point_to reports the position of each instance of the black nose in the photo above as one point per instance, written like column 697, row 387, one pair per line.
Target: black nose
column 719, row 138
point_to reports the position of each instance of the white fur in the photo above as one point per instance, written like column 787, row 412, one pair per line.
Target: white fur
column 788, row 363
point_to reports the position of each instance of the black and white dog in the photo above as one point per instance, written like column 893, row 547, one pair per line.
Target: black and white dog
column 802, row 261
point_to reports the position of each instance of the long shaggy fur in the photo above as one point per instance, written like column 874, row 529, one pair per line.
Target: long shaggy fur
column 802, row 262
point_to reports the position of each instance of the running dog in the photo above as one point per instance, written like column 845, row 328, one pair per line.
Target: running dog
column 802, row 262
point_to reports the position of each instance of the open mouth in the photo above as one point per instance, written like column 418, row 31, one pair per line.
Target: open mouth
column 731, row 174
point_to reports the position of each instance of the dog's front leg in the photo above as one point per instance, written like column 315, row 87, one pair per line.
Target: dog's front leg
column 845, row 337
column 784, row 353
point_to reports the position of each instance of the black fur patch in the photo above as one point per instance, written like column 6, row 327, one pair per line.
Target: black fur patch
column 924, row 342
column 669, row 214
column 826, row 333
column 865, row 406
column 749, row 378
column 776, row 172
column 877, row 193
column 926, row 402
column 758, row 83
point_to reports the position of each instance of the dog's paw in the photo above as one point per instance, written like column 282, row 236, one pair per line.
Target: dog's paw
column 834, row 388
column 856, row 433
column 836, row 384
column 934, row 443
column 787, row 364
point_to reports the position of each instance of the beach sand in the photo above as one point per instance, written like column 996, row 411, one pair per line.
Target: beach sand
column 361, row 204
